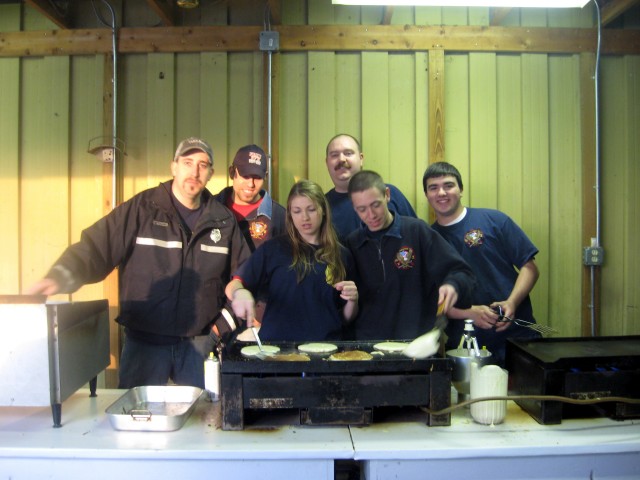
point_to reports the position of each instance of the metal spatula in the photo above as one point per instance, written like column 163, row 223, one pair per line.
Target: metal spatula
column 426, row 345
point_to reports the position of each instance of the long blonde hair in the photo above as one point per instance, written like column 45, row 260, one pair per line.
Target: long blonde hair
column 329, row 248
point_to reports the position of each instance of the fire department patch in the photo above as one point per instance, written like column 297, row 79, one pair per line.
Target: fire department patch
column 216, row 236
column 474, row 238
column 258, row 230
column 404, row 258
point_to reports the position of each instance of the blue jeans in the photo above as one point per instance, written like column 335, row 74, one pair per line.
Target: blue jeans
column 143, row 364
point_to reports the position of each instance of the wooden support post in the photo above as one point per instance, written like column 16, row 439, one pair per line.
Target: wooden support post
column 436, row 111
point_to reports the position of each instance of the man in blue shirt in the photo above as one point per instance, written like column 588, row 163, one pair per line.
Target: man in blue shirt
column 500, row 254
column 344, row 159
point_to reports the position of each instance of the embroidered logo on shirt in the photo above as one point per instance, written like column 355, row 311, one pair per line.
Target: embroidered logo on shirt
column 258, row 230
column 404, row 258
column 216, row 236
column 474, row 238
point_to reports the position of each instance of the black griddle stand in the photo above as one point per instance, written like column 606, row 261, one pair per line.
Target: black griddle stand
column 578, row 368
column 324, row 392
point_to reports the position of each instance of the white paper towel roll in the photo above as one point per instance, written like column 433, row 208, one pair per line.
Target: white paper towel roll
column 488, row 381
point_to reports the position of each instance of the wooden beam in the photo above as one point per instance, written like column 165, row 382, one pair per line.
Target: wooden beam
column 164, row 11
column 436, row 111
column 296, row 38
column 46, row 8
column 498, row 15
column 614, row 9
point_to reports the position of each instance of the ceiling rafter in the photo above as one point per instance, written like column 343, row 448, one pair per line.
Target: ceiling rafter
column 47, row 8
column 164, row 11
column 615, row 8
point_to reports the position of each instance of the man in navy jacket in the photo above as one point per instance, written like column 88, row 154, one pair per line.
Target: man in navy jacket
column 405, row 269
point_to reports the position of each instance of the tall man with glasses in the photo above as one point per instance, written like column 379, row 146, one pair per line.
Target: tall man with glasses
column 175, row 248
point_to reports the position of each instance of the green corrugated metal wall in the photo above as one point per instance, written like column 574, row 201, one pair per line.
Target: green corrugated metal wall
column 512, row 127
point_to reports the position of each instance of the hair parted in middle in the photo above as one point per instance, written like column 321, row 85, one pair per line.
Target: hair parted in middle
column 328, row 252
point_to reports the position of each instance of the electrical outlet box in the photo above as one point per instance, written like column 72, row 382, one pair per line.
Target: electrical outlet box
column 269, row 40
column 593, row 256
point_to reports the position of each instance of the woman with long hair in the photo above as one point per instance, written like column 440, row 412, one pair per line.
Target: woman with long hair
column 306, row 274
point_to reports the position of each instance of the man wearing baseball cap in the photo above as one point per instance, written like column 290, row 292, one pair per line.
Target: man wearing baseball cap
column 259, row 216
column 175, row 248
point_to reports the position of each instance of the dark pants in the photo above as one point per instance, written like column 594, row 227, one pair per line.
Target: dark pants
column 143, row 364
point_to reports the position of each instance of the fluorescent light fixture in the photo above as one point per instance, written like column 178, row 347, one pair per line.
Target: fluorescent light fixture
column 470, row 3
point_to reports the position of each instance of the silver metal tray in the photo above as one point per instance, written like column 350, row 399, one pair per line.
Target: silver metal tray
column 153, row 408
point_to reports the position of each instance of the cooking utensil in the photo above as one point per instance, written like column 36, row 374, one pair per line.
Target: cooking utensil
column 257, row 337
column 263, row 353
column 426, row 345
column 542, row 329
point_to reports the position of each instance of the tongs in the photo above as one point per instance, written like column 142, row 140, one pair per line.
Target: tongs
column 542, row 329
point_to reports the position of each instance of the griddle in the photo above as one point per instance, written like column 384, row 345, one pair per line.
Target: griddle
column 578, row 368
column 326, row 392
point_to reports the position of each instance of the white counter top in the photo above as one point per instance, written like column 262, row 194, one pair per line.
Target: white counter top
column 87, row 444
column 30, row 445
column 518, row 448
column 518, row 435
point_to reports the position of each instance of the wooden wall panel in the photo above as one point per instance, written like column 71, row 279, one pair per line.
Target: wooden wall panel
column 614, row 194
column 10, row 273
column 457, row 111
column 245, row 110
column 44, row 164
column 483, row 131
column 293, row 107
column 401, row 157
column 631, row 317
column 348, row 96
column 620, row 277
column 132, row 124
column 294, row 118
column 565, row 211
column 510, row 112
column 428, row 16
column 375, row 112
column 321, row 121
column 214, row 105
column 532, row 212
column 421, row 138
column 160, row 117
column 86, row 204
column 188, row 101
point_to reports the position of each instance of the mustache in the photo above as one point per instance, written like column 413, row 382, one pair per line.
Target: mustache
column 342, row 164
